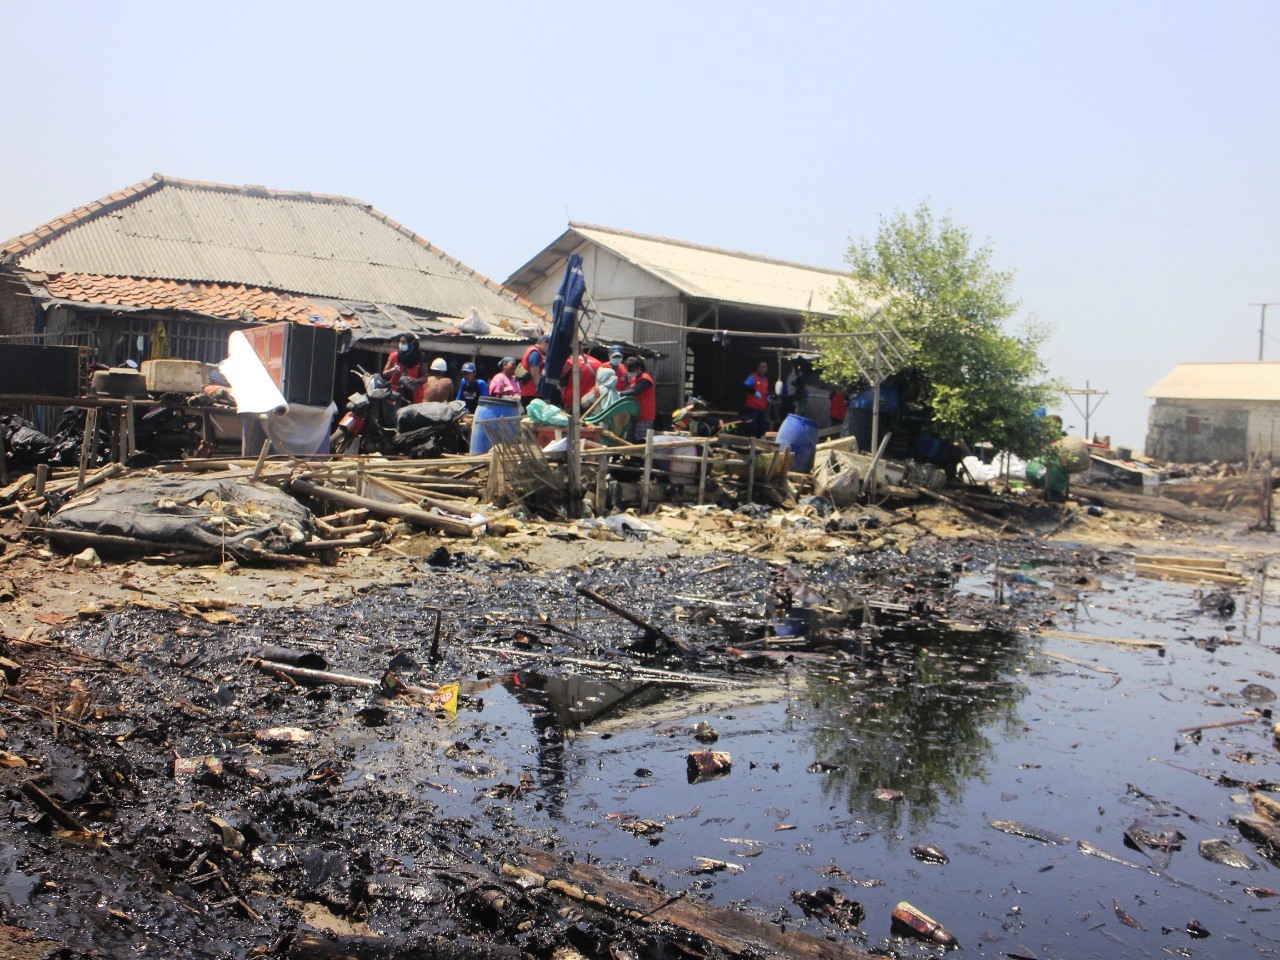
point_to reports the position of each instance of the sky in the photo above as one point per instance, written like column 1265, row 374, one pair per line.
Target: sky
column 1119, row 157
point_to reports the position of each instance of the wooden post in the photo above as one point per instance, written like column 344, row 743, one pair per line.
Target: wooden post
column 702, row 472
column 602, row 482
column 1264, row 505
column 130, row 434
column 648, row 470
column 262, row 459
column 360, row 477
column 573, row 506
column 42, row 476
column 751, row 470
column 88, row 445
column 871, row 484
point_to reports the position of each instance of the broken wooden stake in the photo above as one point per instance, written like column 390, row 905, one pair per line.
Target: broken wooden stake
column 627, row 615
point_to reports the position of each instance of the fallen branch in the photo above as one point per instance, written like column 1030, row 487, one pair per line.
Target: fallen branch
column 1072, row 660
column 735, row 933
column 1218, row 725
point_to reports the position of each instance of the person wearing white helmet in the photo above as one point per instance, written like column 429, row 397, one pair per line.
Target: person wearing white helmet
column 439, row 388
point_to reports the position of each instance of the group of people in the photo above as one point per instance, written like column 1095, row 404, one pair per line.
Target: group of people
column 592, row 381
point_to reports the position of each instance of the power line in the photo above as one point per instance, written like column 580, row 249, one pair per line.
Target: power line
column 1088, row 393
column 1262, row 326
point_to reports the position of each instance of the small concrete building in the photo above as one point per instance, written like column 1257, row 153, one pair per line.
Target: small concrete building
column 1215, row 411
column 673, row 296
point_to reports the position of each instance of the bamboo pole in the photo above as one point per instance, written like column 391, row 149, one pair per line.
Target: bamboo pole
column 602, row 483
column 648, row 471
column 262, row 459
column 703, row 467
column 380, row 508
column 88, row 444
column 130, row 435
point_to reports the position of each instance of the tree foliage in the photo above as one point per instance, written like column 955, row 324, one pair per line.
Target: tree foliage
column 979, row 381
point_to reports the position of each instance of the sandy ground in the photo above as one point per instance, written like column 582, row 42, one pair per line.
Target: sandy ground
column 48, row 586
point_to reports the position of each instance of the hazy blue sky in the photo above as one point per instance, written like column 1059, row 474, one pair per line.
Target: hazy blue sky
column 1120, row 157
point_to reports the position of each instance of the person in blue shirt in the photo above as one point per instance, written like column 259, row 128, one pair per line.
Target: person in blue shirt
column 472, row 387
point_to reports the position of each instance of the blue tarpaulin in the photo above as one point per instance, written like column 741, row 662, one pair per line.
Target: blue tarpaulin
column 564, row 315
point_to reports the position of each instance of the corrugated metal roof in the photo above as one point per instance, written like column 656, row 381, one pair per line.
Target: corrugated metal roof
column 1238, row 380
column 300, row 243
column 710, row 273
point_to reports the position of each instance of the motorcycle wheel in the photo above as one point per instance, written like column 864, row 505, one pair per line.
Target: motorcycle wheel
column 341, row 442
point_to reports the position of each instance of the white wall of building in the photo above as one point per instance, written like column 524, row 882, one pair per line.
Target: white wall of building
column 613, row 285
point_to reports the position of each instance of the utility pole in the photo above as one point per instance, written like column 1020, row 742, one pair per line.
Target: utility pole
column 1088, row 393
column 1262, row 326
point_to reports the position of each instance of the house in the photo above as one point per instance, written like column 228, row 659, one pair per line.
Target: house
column 170, row 267
column 675, row 297
column 1215, row 411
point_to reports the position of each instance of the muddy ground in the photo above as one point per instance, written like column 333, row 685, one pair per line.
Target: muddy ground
column 167, row 796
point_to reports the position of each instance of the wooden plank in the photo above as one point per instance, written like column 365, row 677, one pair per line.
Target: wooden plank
column 1190, row 574
column 1090, row 638
column 1200, row 563
column 731, row 931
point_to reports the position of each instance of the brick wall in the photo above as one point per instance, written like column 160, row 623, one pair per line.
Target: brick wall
column 17, row 310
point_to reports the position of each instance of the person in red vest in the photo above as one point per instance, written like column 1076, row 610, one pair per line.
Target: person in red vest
column 840, row 408
column 405, row 369
column 758, row 386
column 583, row 384
column 533, row 361
column 641, row 386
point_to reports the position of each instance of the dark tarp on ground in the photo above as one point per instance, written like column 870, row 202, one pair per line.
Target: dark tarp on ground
column 178, row 510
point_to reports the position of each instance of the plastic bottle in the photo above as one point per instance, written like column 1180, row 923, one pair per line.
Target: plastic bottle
column 925, row 927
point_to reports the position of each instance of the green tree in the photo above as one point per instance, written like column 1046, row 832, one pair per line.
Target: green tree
column 980, row 382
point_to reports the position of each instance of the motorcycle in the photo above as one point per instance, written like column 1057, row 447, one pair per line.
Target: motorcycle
column 364, row 424
column 695, row 418
column 379, row 420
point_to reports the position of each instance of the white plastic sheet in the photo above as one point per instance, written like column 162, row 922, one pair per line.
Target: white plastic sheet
column 251, row 385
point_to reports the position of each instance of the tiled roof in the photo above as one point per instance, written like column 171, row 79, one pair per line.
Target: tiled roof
column 302, row 243
column 233, row 301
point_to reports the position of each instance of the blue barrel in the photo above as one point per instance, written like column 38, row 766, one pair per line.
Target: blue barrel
column 491, row 408
column 801, row 435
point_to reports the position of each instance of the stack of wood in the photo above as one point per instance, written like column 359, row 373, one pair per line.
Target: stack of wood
column 31, row 494
column 1191, row 569
column 441, row 495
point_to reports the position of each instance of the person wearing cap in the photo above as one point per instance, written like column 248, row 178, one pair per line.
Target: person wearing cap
column 439, row 385
column 533, row 361
column 504, row 383
column 472, row 387
column 619, row 369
